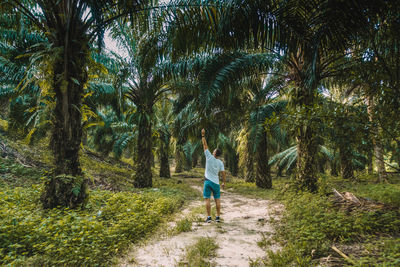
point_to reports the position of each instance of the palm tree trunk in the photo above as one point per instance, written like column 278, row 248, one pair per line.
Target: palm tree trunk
column 379, row 159
column 249, row 175
column 67, row 187
column 334, row 171
column 153, row 160
column 346, row 163
column 164, row 163
column 370, row 169
column 307, row 145
column 378, row 151
column 306, row 149
column 143, row 177
column 195, row 160
column 188, row 162
column 226, row 161
column 263, row 174
column 234, row 166
column 203, row 161
column 178, row 159
column 321, row 165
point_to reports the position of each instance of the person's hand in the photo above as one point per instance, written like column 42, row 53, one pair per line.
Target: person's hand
column 223, row 185
column 203, row 132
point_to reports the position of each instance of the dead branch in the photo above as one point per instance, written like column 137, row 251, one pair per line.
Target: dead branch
column 343, row 255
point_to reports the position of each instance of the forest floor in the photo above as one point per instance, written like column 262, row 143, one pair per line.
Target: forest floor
column 239, row 238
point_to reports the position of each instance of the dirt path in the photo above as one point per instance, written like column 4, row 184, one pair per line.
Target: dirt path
column 245, row 221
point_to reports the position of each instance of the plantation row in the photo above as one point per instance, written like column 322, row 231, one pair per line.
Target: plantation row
column 294, row 84
column 302, row 90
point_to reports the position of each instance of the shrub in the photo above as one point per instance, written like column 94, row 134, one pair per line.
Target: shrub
column 30, row 235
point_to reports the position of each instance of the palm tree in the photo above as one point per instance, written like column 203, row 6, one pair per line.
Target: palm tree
column 259, row 131
column 164, row 119
column 70, row 27
column 185, row 119
column 147, row 83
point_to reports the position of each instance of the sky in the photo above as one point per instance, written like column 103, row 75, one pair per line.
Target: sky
column 112, row 45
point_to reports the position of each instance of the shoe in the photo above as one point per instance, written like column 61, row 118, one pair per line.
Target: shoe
column 217, row 219
column 208, row 220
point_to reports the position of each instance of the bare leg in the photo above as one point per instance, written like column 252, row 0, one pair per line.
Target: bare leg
column 218, row 204
column 208, row 206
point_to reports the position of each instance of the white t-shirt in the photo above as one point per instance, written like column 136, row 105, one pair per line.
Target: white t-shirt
column 213, row 167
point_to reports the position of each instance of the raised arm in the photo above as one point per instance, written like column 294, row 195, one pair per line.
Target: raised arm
column 203, row 139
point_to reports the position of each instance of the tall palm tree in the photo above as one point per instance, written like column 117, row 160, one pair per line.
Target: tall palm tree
column 164, row 119
column 71, row 27
column 185, row 119
column 147, row 83
column 259, row 132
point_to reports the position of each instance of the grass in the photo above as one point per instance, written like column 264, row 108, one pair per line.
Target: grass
column 107, row 174
column 265, row 241
column 183, row 225
column 200, row 254
column 388, row 193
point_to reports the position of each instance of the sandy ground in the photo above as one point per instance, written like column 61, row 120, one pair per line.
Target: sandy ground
column 245, row 222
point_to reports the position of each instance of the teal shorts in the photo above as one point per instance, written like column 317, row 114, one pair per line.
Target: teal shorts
column 211, row 186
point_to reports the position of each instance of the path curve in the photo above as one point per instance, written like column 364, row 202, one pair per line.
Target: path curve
column 245, row 221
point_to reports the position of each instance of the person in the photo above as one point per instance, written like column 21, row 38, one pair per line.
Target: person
column 214, row 167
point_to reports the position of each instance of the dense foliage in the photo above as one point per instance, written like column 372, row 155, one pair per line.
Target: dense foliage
column 109, row 222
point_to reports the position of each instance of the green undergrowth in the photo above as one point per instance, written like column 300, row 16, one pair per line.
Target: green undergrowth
column 92, row 236
column 388, row 249
column 183, row 225
column 197, row 172
column 200, row 254
column 365, row 186
column 312, row 223
column 107, row 175
column 12, row 171
column 251, row 190
column 110, row 221
column 102, row 172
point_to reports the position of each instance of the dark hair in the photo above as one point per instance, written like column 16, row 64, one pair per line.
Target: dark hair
column 218, row 152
